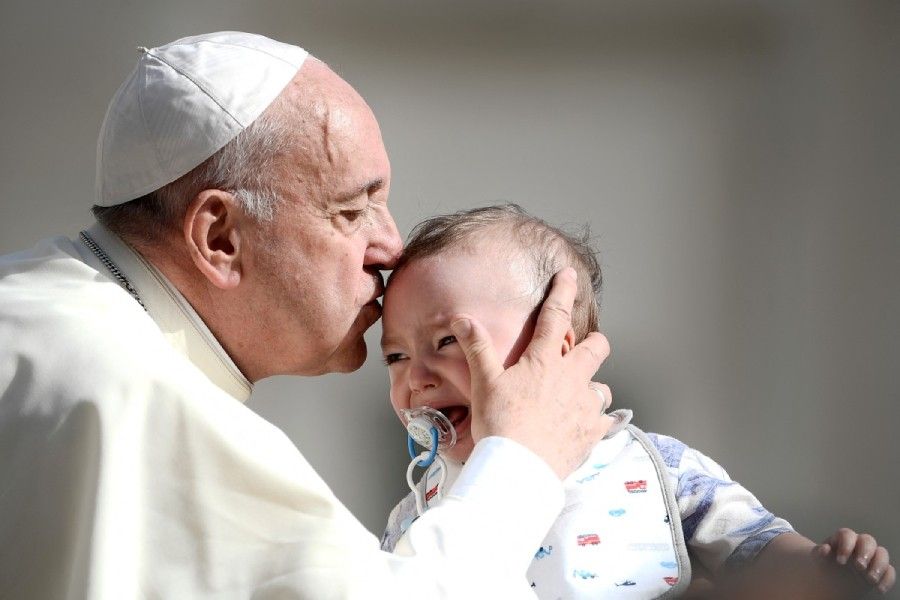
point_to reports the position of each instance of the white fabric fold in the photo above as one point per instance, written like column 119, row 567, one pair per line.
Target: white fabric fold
column 128, row 471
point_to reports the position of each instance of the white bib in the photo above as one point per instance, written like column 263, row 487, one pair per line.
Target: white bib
column 615, row 537
column 619, row 535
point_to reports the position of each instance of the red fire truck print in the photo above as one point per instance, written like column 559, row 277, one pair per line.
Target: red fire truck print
column 430, row 493
column 636, row 487
column 670, row 580
column 588, row 539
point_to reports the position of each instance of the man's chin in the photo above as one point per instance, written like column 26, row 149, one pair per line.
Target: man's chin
column 352, row 352
column 348, row 358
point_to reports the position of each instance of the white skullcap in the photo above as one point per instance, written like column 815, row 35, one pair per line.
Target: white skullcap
column 182, row 103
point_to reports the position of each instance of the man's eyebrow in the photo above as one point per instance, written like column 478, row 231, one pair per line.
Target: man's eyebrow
column 370, row 186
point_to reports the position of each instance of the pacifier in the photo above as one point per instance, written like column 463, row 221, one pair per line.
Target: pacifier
column 419, row 423
column 432, row 430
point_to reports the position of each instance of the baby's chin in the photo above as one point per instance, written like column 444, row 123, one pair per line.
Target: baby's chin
column 460, row 452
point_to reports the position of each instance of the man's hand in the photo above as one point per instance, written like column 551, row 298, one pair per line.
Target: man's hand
column 543, row 401
column 860, row 553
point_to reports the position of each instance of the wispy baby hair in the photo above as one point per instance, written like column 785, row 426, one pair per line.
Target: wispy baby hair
column 547, row 248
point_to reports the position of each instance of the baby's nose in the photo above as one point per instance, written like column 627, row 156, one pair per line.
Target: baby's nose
column 421, row 378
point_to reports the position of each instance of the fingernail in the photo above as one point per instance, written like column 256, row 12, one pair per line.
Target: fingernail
column 461, row 328
column 842, row 559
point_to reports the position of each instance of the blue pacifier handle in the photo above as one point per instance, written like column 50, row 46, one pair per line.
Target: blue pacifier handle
column 425, row 462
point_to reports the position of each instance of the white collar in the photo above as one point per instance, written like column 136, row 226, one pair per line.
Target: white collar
column 175, row 317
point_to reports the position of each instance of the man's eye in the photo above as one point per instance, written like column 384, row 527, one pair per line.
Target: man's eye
column 390, row 359
column 352, row 215
column 448, row 339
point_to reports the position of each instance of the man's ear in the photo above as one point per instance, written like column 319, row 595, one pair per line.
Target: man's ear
column 568, row 341
column 212, row 233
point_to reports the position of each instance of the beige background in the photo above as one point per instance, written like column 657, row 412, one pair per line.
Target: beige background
column 737, row 162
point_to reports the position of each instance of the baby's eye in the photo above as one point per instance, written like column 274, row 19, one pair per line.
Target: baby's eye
column 390, row 359
column 447, row 339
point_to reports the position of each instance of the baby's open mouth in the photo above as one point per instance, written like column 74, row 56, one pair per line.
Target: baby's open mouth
column 456, row 414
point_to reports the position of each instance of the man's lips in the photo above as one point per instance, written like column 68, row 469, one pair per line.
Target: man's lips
column 378, row 292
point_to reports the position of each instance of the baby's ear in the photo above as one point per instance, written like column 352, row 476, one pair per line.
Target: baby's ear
column 568, row 341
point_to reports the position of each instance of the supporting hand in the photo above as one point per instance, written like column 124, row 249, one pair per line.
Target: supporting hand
column 543, row 401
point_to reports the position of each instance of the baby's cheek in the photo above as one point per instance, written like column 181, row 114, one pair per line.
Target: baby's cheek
column 397, row 397
column 397, row 406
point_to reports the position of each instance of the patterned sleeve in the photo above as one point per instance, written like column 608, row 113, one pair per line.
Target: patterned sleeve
column 723, row 523
column 400, row 519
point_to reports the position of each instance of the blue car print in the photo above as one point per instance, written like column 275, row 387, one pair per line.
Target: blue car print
column 617, row 512
column 542, row 552
column 587, row 478
column 583, row 574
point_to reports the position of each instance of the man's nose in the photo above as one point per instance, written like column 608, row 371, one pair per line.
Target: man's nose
column 385, row 249
column 394, row 243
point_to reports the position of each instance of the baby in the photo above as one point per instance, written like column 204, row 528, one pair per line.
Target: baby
column 643, row 506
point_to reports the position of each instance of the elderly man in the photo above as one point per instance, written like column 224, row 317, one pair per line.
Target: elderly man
column 242, row 205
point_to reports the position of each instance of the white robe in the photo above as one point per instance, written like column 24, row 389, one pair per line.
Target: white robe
column 130, row 467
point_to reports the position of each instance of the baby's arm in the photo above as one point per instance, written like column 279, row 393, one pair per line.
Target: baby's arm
column 749, row 553
column 790, row 566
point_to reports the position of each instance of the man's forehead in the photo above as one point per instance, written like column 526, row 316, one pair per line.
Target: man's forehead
column 327, row 113
column 339, row 155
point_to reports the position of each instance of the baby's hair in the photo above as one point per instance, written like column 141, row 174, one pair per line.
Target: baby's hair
column 548, row 248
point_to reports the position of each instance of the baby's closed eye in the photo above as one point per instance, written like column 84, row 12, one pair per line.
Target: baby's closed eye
column 444, row 341
column 393, row 357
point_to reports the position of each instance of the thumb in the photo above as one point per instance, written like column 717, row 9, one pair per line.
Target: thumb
column 478, row 348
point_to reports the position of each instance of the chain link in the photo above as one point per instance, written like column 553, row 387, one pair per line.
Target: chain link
column 110, row 266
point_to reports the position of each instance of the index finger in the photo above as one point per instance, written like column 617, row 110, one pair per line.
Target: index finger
column 555, row 317
column 475, row 342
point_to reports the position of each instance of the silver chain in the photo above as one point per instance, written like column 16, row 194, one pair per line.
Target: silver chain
column 110, row 266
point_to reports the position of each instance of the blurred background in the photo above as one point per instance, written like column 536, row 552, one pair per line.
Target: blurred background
column 737, row 162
